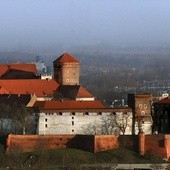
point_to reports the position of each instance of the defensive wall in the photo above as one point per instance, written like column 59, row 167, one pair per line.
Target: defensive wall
column 154, row 144
column 144, row 144
column 92, row 143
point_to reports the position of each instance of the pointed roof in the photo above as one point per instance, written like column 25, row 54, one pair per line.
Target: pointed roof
column 66, row 58
column 82, row 92
column 71, row 92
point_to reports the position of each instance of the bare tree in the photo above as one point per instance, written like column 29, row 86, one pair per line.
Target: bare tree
column 123, row 121
column 22, row 119
column 5, row 121
column 118, row 123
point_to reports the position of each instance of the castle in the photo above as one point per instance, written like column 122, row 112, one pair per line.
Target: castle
column 63, row 106
column 65, row 114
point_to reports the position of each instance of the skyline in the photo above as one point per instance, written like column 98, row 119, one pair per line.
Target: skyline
column 31, row 25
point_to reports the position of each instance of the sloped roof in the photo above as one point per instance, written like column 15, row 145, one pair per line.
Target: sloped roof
column 82, row 92
column 72, row 92
column 28, row 86
column 23, row 67
column 163, row 101
column 66, row 58
column 68, row 104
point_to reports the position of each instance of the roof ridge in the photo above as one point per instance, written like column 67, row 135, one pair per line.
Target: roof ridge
column 66, row 57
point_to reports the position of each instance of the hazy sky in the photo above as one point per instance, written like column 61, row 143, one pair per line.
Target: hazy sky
column 46, row 23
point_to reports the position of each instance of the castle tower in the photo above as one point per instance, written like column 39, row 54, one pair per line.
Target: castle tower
column 141, row 105
column 66, row 70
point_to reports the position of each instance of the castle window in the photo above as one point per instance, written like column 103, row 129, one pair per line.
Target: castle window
column 73, row 113
column 72, row 122
column 140, row 106
column 46, row 119
column 72, row 117
column 100, row 113
column 72, row 130
column 86, row 113
column 60, row 113
column 46, row 125
column 145, row 106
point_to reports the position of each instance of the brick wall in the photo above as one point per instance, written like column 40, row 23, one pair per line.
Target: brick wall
column 105, row 142
column 85, row 142
column 155, row 144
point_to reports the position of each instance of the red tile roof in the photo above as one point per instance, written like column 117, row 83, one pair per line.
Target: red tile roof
column 82, row 92
column 23, row 67
column 28, row 86
column 66, row 58
column 71, row 92
column 68, row 104
column 163, row 101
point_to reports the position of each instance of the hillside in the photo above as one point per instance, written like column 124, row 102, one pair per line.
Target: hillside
column 73, row 158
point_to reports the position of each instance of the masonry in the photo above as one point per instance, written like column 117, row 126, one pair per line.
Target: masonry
column 92, row 143
column 147, row 144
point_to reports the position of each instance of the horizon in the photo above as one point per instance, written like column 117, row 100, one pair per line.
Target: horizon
column 43, row 26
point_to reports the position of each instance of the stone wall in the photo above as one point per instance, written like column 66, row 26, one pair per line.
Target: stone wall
column 88, row 123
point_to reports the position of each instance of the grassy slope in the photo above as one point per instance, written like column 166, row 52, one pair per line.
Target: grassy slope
column 73, row 157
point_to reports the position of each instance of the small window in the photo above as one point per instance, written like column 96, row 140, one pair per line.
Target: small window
column 114, row 113
column 72, row 122
column 46, row 125
column 72, row 117
column 145, row 106
column 46, row 120
column 60, row 113
column 73, row 113
column 72, row 130
column 86, row 113
column 140, row 106
column 100, row 113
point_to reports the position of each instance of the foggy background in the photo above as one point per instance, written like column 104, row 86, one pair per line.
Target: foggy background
column 42, row 26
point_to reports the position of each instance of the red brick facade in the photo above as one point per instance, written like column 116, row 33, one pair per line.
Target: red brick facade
column 92, row 143
column 154, row 144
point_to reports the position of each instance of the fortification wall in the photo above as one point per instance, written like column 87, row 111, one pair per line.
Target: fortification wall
column 151, row 144
column 155, row 144
column 105, row 142
column 85, row 142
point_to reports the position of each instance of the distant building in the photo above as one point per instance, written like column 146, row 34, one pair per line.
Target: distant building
column 18, row 71
column 161, row 116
